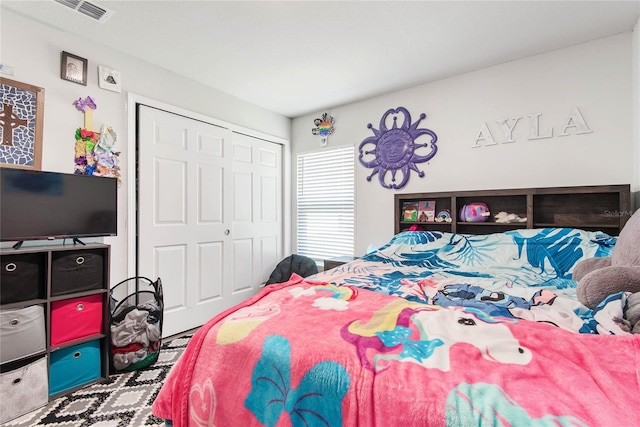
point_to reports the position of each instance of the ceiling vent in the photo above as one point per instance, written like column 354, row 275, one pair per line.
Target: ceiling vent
column 89, row 9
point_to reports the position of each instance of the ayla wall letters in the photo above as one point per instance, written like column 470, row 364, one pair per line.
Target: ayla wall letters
column 575, row 123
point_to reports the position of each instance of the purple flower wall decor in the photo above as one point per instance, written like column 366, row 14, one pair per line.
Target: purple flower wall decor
column 396, row 149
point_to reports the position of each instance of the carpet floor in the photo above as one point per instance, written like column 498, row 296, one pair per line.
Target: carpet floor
column 122, row 401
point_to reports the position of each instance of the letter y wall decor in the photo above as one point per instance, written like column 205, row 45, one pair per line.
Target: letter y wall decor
column 398, row 148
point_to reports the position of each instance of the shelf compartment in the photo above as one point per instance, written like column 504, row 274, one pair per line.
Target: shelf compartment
column 24, row 388
column 74, row 366
column 84, row 313
column 577, row 210
column 23, row 277
column 22, row 332
column 442, row 203
column 77, row 270
column 513, row 204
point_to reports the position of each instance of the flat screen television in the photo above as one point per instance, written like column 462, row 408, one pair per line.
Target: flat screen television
column 36, row 205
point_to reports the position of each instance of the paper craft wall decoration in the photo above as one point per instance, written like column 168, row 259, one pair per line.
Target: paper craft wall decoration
column 94, row 151
column 21, row 119
column 397, row 149
column 324, row 128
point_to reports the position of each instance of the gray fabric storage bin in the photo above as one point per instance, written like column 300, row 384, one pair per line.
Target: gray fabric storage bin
column 22, row 332
column 23, row 389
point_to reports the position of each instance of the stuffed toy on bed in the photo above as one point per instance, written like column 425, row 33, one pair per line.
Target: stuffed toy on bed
column 599, row 277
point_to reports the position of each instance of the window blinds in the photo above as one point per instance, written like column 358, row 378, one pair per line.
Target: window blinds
column 325, row 203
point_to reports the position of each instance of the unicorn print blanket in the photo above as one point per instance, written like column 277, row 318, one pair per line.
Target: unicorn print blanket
column 431, row 330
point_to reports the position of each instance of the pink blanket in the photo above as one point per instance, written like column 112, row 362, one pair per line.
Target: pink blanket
column 307, row 353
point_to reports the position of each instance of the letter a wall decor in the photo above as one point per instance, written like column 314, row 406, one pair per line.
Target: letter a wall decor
column 397, row 149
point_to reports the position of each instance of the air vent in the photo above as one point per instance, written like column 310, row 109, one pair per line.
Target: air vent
column 86, row 8
column 70, row 3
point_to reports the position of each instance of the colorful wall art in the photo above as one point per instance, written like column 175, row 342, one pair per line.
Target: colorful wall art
column 21, row 120
column 397, row 148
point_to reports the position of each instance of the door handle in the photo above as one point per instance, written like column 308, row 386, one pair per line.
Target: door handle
column 226, row 232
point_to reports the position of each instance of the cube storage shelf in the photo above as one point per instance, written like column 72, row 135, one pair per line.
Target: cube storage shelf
column 593, row 208
column 54, row 320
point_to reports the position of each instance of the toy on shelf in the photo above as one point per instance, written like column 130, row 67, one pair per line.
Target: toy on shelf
column 505, row 217
column 443, row 216
column 474, row 212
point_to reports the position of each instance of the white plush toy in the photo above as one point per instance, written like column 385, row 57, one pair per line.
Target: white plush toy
column 504, row 217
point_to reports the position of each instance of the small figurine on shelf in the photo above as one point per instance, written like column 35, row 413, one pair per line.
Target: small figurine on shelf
column 443, row 216
column 505, row 218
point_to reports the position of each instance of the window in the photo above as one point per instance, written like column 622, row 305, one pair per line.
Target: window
column 325, row 203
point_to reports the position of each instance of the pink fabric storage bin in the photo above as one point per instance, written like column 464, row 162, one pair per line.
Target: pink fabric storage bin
column 76, row 318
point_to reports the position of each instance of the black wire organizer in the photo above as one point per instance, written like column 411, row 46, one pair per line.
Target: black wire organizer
column 135, row 325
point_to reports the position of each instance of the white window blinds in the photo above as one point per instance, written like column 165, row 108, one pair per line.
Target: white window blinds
column 325, row 203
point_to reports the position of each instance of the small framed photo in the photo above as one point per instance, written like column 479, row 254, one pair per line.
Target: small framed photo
column 73, row 68
column 109, row 79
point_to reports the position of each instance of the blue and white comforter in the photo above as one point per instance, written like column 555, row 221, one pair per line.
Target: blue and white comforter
column 524, row 274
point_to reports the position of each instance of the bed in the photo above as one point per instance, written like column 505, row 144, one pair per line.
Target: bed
column 432, row 329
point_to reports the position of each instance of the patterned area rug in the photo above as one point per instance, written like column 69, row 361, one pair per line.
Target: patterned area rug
column 122, row 401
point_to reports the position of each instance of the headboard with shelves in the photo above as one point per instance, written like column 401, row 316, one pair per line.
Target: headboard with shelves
column 594, row 208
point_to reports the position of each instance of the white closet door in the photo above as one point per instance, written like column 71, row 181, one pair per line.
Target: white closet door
column 210, row 214
column 257, row 211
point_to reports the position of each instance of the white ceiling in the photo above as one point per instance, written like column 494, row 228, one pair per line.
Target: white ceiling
column 298, row 57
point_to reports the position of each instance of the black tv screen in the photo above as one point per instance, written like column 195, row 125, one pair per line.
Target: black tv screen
column 37, row 205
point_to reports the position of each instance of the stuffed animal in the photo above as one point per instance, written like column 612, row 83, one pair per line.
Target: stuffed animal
column 599, row 277
column 632, row 313
column 505, row 217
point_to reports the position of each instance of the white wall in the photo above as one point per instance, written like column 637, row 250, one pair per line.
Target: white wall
column 595, row 77
column 600, row 77
column 33, row 50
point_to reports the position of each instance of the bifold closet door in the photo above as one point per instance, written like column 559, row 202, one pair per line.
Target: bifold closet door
column 257, row 212
column 189, row 202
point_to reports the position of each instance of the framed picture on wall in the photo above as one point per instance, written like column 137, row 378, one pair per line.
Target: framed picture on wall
column 21, row 120
column 109, row 79
column 73, row 68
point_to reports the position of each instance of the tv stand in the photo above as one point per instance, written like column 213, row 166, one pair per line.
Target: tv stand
column 69, row 288
column 18, row 245
column 78, row 241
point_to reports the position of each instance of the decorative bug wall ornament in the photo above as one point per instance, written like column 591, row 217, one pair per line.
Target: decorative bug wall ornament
column 396, row 149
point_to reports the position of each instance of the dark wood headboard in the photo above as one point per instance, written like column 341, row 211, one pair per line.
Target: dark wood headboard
column 594, row 208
